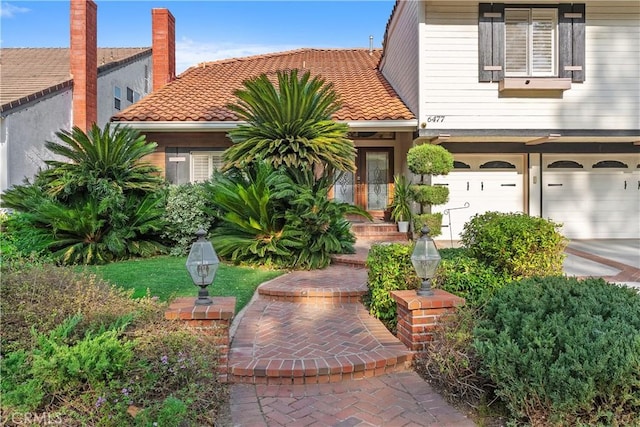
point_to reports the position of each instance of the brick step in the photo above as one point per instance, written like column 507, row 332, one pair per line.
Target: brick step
column 386, row 232
column 289, row 343
column 309, row 287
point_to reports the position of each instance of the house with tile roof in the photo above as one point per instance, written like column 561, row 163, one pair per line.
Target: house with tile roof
column 540, row 105
column 44, row 90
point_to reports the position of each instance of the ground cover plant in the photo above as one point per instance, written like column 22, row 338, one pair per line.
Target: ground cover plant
column 166, row 277
column 85, row 353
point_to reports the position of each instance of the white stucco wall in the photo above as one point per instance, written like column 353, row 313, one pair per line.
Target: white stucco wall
column 24, row 133
column 131, row 75
column 608, row 99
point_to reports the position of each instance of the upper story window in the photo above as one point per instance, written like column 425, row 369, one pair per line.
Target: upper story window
column 129, row 94
column 530, row 42
column 117, row 98
column 525, row 41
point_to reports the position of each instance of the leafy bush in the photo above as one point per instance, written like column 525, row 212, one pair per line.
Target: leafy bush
column 432, row 220
column 429, row 195
column 563, row 351
column 390, row 269
column 19, row 237
column 429, row 159
column 101, row 202
column 187, row 210
column 118, row 362
column 517, row 244
column 450, row 362
column 26, row 290
column 466, row 277
column 279, row 218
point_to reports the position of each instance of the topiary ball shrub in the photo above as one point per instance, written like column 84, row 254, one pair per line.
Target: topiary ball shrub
column 467, row 277
column 390, row 269
column 517, row 244
column 429, row 195
column 431, row 220
column 564, row 352
column 429, row 159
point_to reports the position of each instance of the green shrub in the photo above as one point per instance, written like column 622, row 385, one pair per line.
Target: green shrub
column 90, row 370
column 429, row 195
column 466, row 277
column 19, row 237
column 517, row 244
column 429, row 159
column 188, row 209
column 450, row 362
column 432, row 220
column 563, row 351
column 390, row 269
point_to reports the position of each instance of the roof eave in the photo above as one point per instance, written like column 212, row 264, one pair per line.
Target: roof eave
column 222, row 126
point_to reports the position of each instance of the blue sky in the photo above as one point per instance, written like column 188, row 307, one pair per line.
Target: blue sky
column 205, row 30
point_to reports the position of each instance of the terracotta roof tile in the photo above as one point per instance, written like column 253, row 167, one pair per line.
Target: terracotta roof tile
column 203, row 92
column 26, row 73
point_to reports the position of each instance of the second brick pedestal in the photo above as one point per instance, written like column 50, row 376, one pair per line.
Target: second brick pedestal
column 418, row 315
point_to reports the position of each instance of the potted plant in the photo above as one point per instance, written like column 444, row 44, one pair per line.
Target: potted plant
column 401, row 203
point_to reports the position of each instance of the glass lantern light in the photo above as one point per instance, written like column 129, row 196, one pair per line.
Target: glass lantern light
column 202, row 264
column 425, row 259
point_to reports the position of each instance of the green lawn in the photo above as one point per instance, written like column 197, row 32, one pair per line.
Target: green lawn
column 167, row 277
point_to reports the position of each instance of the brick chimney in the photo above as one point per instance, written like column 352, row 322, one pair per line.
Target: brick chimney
column 163, row 47
column 84, row 62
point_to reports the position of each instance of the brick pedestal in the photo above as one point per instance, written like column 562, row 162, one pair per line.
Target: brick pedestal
column 418, row 315
column 214, row 319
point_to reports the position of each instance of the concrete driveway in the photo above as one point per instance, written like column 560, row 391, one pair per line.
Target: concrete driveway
column 616, row 260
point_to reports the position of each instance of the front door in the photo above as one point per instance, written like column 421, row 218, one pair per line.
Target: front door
column 369, row 187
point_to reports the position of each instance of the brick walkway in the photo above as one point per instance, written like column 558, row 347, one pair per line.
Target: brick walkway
column 307, row 353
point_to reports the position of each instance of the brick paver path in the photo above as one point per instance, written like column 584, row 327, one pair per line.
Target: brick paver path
column 305, row 353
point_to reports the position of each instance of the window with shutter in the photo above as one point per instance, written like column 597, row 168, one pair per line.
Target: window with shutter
column 203, row 164
column 519, row 41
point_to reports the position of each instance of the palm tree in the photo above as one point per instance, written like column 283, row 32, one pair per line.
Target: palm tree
column 104, row 160
column 289, row 125
column 103, row 203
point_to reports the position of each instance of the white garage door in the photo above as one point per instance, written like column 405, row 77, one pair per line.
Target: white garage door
column 593, row 196
column 480, row 183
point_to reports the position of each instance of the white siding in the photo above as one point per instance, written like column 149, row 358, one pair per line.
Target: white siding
column 608, row 99
column 401, row 62
column 24, row 133
column 130, row 75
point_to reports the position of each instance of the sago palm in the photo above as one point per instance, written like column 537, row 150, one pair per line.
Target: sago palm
column 109, row 157
column 289, row 124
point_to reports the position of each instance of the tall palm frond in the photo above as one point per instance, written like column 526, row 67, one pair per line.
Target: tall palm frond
column 114, row 155
column 289, row 125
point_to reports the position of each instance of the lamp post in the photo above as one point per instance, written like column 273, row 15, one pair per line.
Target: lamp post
column 425, row 259
column 202, row 264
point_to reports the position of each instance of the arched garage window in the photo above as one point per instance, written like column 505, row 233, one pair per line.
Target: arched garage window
column 565, row 164
column 610, row 164
column 460, row 165
column 497, row 164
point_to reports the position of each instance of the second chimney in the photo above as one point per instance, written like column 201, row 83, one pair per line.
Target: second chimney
column 163, row 47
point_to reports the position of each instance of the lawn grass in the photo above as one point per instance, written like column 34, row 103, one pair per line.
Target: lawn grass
column 167, row 277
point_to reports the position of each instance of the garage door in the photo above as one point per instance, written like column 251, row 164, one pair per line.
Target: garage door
column 593, row 196
column 480, row 183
